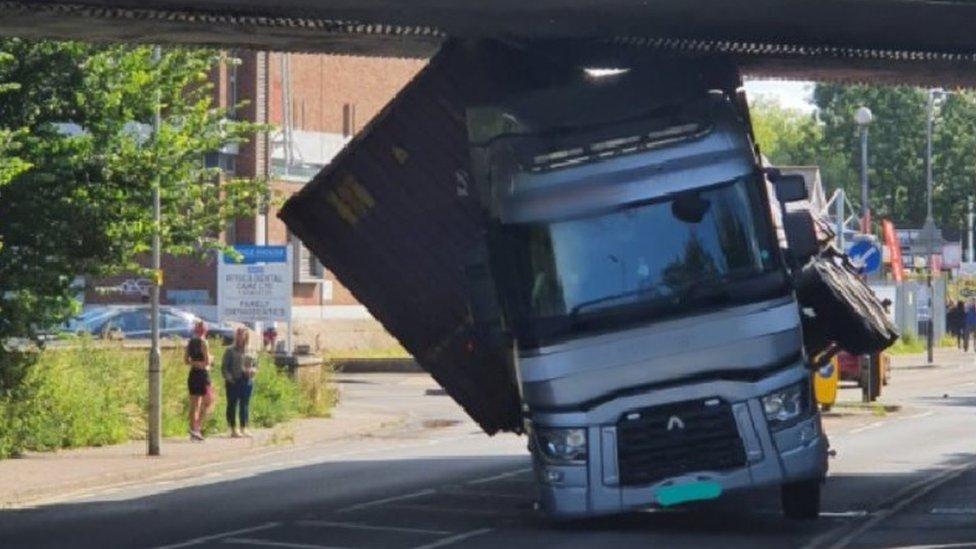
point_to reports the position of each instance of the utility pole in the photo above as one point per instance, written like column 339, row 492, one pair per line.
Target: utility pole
column 154, row 436
column 969, row 229
column 839, row 199
column 863, row 117
column 929, row 229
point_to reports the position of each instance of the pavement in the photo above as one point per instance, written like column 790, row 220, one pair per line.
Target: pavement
column 900, row 478
column 45, row 477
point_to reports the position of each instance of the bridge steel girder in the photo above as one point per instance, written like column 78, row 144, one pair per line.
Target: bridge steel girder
column 890, row 41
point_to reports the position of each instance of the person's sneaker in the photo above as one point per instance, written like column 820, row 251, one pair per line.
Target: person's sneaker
column 234, row 433
column 196, row 436
column 245, row 433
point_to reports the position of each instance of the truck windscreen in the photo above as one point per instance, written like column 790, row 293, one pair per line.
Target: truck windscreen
column 678, row 255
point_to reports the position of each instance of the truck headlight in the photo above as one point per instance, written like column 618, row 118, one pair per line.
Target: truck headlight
column 783, row 407
column 562, row 446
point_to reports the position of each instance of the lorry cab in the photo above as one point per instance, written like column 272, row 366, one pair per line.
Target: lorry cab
column 657, row 338
column 597, row 260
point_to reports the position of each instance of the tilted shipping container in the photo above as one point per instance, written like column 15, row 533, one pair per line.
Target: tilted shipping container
column 395, row 217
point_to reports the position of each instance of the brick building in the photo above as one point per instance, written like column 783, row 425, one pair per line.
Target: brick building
column 315, row 103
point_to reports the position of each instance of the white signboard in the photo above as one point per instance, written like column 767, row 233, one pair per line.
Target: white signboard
column 951, row 255
column 257, row 288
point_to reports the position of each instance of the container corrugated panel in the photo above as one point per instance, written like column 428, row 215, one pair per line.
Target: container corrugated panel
column 394, row 217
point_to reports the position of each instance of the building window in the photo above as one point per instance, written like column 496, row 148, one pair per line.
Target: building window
column 230, row 233
column 232, row 91
column 307, row 266
column 226, row 161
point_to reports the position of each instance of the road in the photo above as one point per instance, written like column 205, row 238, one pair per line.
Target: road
column 897, row 480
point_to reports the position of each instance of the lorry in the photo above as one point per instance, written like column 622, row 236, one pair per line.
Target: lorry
column 597, row 259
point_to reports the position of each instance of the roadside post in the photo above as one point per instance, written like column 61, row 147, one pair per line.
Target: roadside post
column 866, row 255
column 155, row 423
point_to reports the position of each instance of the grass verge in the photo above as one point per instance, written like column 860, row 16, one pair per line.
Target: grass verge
column 91, row 395
column 907, row 344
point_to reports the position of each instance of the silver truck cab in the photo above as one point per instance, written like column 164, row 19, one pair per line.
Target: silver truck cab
column 658, row 342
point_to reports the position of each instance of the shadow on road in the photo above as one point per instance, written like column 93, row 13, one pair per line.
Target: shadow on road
column 435, row 494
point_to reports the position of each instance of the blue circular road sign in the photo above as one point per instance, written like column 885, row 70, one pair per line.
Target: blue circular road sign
column 865, row 254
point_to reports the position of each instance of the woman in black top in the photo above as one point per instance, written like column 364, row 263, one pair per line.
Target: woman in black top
column 199, row 359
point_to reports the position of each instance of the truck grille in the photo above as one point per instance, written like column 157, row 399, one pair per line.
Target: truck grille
column 663, row 441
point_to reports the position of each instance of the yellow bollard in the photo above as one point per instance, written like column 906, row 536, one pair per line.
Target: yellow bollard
column 825, row 381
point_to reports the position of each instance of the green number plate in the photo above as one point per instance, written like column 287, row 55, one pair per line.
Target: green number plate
column 683, row 493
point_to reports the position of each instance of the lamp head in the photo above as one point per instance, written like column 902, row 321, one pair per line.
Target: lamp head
column 863, row 116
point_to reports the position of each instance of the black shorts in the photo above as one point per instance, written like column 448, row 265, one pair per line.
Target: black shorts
column 198, row 381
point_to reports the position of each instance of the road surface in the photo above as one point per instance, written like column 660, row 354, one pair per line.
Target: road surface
column 898, row 479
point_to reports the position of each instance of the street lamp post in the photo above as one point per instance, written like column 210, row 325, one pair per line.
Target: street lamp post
column 929, row 229
column 863, row 117
column 155, row 423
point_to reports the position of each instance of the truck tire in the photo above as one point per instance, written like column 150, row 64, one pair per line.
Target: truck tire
column 801, row 500
column 845, row 308
column 878, row 374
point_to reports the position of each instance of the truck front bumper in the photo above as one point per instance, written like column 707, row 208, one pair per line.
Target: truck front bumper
column 794, row 453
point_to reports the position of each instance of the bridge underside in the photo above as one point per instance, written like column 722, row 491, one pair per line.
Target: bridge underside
column 879, row 41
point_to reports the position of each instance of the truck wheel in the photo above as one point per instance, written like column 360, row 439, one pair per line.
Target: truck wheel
column 801, row 500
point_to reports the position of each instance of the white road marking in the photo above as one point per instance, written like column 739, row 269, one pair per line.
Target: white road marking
column 454, row 539
column 272, row 543
column 921, row 415
column 374, row 503
column 361, row 526
column 844, row 514
column 901, row 499
column 476, row 493
column 964, row 545
column 953, row 511
column 212, row 537
column 502, row 476
column 439, row 509
column 867, row 427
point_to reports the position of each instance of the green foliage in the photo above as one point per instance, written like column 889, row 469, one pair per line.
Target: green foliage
column 317, row 395
column 94, row 395
column 896, row 147
column 80, row 203
column 908, row 344
column 787, row 137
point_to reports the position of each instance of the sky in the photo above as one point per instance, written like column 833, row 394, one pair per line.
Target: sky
column 790, row 94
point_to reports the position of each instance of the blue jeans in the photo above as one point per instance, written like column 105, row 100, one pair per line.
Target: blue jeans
column 238, row 396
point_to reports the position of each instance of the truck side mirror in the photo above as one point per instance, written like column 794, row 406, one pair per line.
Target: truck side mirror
column 790, row 188
column 801, row 235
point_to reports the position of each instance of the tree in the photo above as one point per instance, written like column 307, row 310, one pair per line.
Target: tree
column 896, row 147
column 954, row 158
column 789, row 137
column 786, row 137
column 79, row 202
column 896, row 150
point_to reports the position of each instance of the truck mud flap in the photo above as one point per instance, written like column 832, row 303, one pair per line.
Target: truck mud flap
column 845, row 310
column 395, row 216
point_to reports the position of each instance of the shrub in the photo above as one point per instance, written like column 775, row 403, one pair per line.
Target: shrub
column 907, row 344
column 92, row 394
column 317, row 394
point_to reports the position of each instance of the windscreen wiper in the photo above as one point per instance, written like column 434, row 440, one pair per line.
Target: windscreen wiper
column 605, row 299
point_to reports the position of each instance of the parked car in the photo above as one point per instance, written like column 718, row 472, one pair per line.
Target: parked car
column 132, row 322
column 850, row 368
